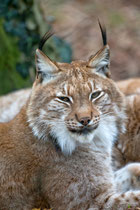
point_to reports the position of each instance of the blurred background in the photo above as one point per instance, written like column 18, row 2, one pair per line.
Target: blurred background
column 22, row 24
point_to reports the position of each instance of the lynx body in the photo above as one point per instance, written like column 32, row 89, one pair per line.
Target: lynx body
column 57, row 151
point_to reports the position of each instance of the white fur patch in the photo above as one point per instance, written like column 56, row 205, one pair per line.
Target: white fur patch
column 66, row 143
column 102, row 138
column 105, row 134
column 45, row 67
column 121, row 114
column 122, row 180
column 127, row 178
column 138, row 90
column 12, row 103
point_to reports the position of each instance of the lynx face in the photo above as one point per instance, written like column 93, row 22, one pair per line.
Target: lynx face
column 75, row 103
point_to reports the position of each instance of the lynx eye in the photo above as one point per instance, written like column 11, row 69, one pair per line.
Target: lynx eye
column 63, row 98
column 95, row 94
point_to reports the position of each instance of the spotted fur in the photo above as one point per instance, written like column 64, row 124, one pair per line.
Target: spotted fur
column 56, row 153
column 127, row 148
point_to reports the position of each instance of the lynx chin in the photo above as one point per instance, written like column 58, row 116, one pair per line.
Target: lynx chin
column 56, row 153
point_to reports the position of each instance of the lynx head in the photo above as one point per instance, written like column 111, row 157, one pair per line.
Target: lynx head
column 75, row 103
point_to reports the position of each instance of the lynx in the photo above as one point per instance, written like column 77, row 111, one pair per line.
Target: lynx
column 130, row 86
column 127, row 149
column 11, row 104
column 57, row 151
column 128, row 177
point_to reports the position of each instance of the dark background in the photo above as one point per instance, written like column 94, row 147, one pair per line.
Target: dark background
column 22, row 24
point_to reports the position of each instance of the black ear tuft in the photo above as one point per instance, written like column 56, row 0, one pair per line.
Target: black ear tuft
column 103, row 32
column 46, row 36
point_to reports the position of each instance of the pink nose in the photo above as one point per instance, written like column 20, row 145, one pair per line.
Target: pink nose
column 85, row 120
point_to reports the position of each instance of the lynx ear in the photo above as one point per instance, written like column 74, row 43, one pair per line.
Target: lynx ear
column 46, row 68
column 99, row 63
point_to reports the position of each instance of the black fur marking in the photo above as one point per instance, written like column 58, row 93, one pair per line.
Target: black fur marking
column 55, row 142
column 103, row 32
column 46, row 36
column 84, row 130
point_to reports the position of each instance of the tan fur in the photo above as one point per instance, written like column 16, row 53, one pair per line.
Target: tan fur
column 130, row 86
column 57, row 151
column 128, row 147
column 7, row 103
column 128, row 177
column 11, row 104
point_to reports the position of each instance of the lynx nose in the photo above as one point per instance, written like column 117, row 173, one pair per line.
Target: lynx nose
column 85, row 121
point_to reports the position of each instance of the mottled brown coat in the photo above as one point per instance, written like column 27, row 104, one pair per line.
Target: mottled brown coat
column 50, row 154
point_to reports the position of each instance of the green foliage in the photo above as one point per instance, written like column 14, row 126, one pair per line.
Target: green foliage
column 10, row 79
column 63, row 52
column 19, row 22
column 20, row 34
